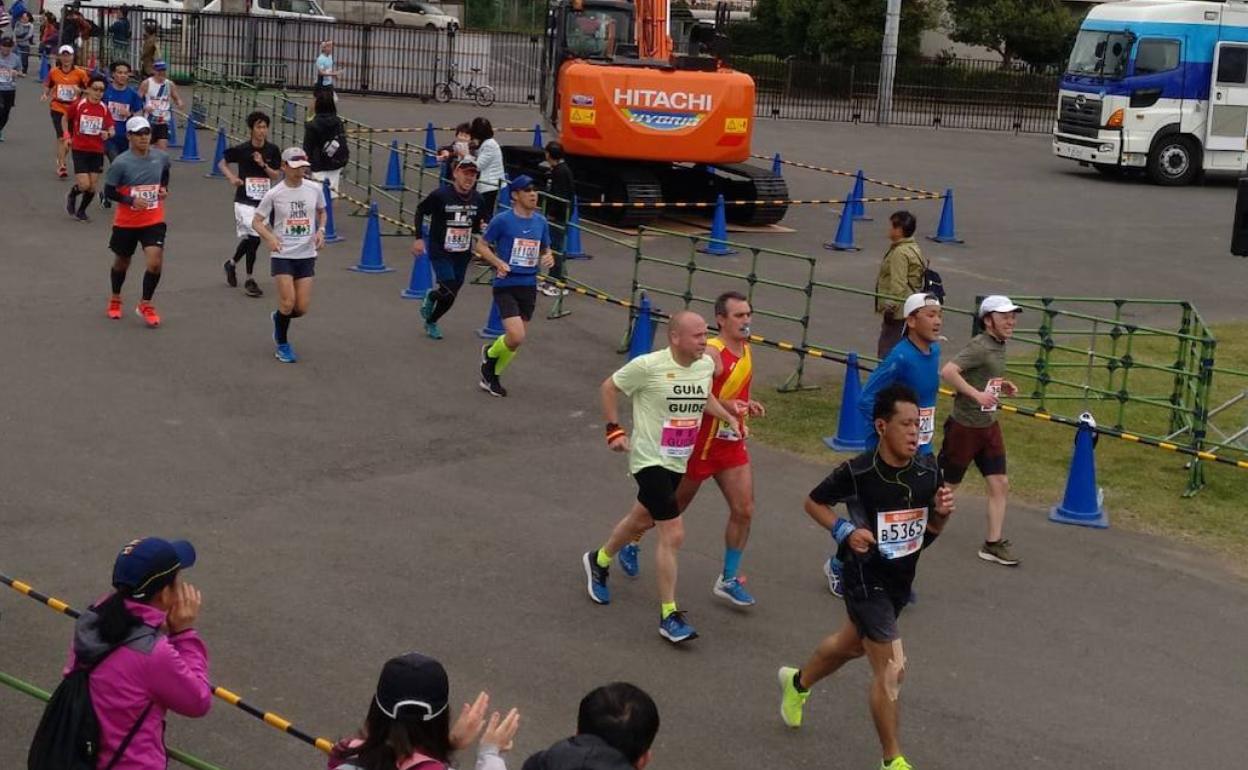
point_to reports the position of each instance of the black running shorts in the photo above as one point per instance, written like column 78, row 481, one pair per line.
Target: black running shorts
column 656, row 491
column 88, row 162
column 515, row 301
column 126, row 239
column 159, row 131
column 875, row 613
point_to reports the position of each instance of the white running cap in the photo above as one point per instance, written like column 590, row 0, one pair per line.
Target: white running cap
column 916, row 301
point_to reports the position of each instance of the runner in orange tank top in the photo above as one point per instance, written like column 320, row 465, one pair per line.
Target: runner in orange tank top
column 720, row 453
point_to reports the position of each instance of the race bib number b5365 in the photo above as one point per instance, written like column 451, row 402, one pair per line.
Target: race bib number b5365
column 900, row 533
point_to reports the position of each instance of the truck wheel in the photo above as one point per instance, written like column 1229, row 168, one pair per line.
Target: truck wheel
column 1174, row 161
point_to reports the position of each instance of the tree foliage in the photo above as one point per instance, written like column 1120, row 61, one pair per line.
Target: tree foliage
column 1036, row 31
column 835, row 29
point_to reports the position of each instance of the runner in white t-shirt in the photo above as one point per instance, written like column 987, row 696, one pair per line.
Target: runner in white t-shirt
column 297, row 208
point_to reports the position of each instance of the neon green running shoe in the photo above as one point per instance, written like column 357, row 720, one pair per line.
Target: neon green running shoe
column 899, row 763
column 791, row 701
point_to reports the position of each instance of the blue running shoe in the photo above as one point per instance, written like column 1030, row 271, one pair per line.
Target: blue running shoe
column 833, row 572
column 674, row 629
column 432, row 331
column 285, row 353
column 627, row 557
column 733, row 590
column 596, row 578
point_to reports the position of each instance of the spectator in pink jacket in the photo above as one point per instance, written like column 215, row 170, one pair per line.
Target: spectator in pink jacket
column 146, row 657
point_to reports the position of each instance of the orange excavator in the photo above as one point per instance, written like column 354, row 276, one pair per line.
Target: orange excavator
column 643, row 124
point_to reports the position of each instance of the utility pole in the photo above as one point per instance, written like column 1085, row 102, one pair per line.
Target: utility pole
column 888, row 63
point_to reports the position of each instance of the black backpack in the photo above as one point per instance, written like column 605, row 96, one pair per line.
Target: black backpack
column 335, row 151
column 68, row 736
column 932, row 284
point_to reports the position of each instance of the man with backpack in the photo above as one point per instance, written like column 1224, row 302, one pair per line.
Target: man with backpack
column 135, row 656
column 903, row 272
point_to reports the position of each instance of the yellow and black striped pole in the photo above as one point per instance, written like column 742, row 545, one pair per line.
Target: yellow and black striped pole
column 269, row 718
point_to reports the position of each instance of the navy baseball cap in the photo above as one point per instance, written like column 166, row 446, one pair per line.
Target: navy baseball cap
column 160, row 65
column 147, row 565
column 413, row 686
column 522, row 182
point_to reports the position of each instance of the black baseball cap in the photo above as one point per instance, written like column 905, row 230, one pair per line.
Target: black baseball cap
column 147, row 565
column 413, row 685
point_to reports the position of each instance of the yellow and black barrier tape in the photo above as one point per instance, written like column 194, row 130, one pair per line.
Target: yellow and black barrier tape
column 229, row 697
column 842, row 172
column 751, row 202
column 415, row 129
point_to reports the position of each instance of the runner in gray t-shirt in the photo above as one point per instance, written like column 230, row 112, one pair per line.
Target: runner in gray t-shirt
column 297, row 207
column 10, row 71
column 972, row 433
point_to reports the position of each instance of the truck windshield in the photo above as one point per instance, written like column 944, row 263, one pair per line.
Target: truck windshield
column 1100, row 54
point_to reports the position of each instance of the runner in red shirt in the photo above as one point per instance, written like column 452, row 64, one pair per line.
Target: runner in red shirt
column 88, row 125
column 720, row 451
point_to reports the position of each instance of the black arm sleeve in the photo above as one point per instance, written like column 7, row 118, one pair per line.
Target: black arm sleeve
column 111, row 193
column 164, row 177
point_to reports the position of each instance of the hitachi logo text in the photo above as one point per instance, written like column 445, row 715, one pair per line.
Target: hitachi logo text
column 646, row 98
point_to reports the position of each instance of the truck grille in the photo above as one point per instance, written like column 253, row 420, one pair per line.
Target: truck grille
column 1079, row 115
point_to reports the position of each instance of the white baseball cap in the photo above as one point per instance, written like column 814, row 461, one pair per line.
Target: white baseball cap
column 137, row 123
column 295, row 157
column 997, row 303
column 916, row 301
column 65, row 49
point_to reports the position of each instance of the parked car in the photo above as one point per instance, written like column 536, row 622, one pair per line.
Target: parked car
column 412, row 13
column 307, row 10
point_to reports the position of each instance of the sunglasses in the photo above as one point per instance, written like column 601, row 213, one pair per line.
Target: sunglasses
column 141, row 132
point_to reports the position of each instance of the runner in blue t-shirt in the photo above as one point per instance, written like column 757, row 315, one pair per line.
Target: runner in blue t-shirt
column 122, row 101
column 914, row 362
column 515, row 243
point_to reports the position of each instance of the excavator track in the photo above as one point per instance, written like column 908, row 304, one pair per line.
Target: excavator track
column 752, row 183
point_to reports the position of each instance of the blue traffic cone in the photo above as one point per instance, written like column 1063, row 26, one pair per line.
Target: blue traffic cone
column 173, row 130
column 859, row 208
column 844, row 240
column 572, row 237
column 371, row 259
column 537, row 136
column 1082, row 502
column 851, row 431
column 493, row 325
column 45, row 67
column 642, row 339
column 776, row 165
column 394, row 171
column 288, row 111
column 421, row 281
column 217, row 155
column 190, row 149
column 945, row 232
column 331, row 232
column 717, row 246
column 431, row 147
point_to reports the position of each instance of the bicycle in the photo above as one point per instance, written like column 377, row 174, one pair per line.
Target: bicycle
column 483, row 95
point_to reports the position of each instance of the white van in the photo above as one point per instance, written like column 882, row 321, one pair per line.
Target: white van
column 304, row 10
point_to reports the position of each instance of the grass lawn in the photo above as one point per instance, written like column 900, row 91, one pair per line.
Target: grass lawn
column 1143, row 485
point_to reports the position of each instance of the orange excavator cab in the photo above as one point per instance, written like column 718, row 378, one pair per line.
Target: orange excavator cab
column 646, row 120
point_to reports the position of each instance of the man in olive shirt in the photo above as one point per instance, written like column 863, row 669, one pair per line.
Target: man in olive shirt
column 901, row 274
column 972, row 432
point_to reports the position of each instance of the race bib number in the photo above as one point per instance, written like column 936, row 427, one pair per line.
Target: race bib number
column 900, row 533
column 146, row 192
column 297, row 227
column 119, row 110
column 678, row 437
column 66, row 93
column 6, row 75
column 458, row 239
column 993, row 388
column 90, row 125
column 160, row 110
column 927, row 424
column 525, row 252
column 256, row 186
column 726, row 432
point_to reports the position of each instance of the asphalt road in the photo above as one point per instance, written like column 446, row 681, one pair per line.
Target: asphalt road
column 370, row 500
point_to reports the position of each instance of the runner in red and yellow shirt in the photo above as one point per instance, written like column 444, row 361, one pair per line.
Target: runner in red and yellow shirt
column 138, row 180
column 720, row 452
column 63, row 87
column 88, row 125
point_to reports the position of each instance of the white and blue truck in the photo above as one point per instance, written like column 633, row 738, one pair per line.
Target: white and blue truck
column 1159, row 86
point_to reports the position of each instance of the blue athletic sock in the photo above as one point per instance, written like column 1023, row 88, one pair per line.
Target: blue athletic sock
column 732, row 561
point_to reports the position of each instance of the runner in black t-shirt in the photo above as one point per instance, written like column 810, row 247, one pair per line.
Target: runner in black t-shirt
column 259, row 165
column 897, row 503
column 455, row 212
